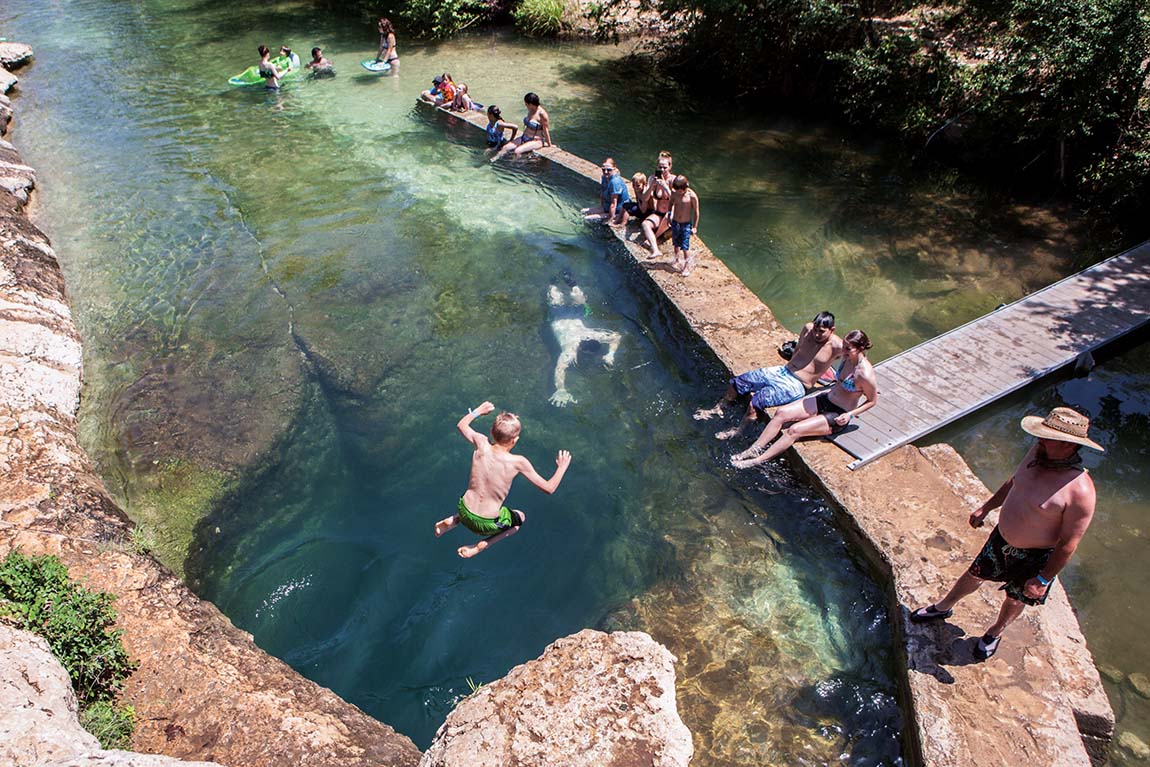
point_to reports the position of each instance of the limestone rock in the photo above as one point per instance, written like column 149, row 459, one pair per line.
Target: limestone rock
column 38, row 720
column 13, row 55
column 1130, row 742
column 1141, row 684
column 5, row 113
column 7, row 80
column 591, row 699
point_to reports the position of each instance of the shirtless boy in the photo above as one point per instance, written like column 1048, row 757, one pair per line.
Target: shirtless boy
column 817, row 349
column 493, row 468
column 1046, row 507
column 684, row 223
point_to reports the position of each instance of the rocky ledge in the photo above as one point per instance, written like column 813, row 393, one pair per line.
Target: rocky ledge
column 592, row 699
column 40, row 725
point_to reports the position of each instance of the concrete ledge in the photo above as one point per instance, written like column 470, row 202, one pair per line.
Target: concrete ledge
column 1040, row 699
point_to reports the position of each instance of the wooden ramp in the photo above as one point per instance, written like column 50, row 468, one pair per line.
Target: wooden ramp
column 943, row 379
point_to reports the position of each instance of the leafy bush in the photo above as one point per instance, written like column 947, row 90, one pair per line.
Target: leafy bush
column 443, row 18
column 111, row 724
column 36, row 595
column 540, row 18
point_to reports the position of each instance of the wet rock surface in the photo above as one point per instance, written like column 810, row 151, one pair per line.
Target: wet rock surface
column 591, row 699
column 203, row 689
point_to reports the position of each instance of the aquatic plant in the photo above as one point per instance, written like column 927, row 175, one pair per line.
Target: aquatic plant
column 540, row 18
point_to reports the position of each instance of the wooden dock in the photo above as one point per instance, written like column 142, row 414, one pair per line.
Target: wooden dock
column 941, row 380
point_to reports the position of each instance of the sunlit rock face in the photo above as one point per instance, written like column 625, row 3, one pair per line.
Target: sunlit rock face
column 591, row 699
column 39, row 723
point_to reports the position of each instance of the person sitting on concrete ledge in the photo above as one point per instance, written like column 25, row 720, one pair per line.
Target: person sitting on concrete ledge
column 817, row 349
column 828, row 412
column 1047, row 505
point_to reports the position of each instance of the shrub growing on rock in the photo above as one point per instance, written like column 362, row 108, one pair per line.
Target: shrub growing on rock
column 37, row 596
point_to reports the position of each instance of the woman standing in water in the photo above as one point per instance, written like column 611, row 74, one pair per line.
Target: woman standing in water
column 828, row 412
column 387, row 51
column 657, row 200
column 269, row 71
column 536, row 129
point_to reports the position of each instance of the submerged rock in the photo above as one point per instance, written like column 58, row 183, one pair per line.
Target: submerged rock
column 591, row 699
column 1141, row 684
column 1128, row 741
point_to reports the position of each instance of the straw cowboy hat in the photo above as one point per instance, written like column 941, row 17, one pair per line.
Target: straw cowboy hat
column 1064, row 425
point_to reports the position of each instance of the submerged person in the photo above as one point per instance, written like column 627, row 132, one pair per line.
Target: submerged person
column 493, row 469
column 571, row 332
column 462, row 102
column 496, row 127
column 817, row 349
column 1047, row 506
column 318, row 64
column 828, row 412
column 536, row 129
column 387, row 52
column 268, row 70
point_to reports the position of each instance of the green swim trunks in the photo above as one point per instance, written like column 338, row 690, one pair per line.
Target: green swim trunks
column 484, row 526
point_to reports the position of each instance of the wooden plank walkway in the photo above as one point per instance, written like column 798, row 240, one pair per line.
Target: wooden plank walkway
column 941, row 380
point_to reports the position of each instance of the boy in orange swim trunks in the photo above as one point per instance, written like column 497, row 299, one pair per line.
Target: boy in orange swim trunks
column 493, row 468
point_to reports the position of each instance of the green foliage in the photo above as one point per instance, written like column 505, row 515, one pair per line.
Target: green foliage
column 111, row 724
column 1051, row 90
column 540, row 18
column 36, row 595
column 897, row 85
column 776, row 46
column 443, row 18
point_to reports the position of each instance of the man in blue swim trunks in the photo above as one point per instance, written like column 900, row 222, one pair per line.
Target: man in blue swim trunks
column 817, row 349
column 493, row 468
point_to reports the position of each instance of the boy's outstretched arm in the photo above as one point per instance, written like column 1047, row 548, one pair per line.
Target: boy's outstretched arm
column 549, row 486
column 464, row 425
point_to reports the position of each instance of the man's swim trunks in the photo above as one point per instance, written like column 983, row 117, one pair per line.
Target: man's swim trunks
column 1001, row 562
column 771, row 387
column 485, row 526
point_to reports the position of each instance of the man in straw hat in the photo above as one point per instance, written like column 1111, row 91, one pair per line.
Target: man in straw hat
column 1046, row 507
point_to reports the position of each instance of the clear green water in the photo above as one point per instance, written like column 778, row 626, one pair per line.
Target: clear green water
column 1106, row 579
column 296, row 296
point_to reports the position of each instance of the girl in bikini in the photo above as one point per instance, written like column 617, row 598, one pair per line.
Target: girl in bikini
column 657, row 200
column 828, row 412
column 536, row 129
column 387, row 51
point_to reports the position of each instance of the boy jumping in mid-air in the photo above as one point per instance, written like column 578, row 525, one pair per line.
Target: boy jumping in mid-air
column 493, row 467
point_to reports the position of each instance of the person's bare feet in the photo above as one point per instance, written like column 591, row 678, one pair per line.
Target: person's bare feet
column 688, row 265
column 443, row 525
column 467, row 552
column 706, row 414
column 728, row 433
column 744, row 458
column 746, row 463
